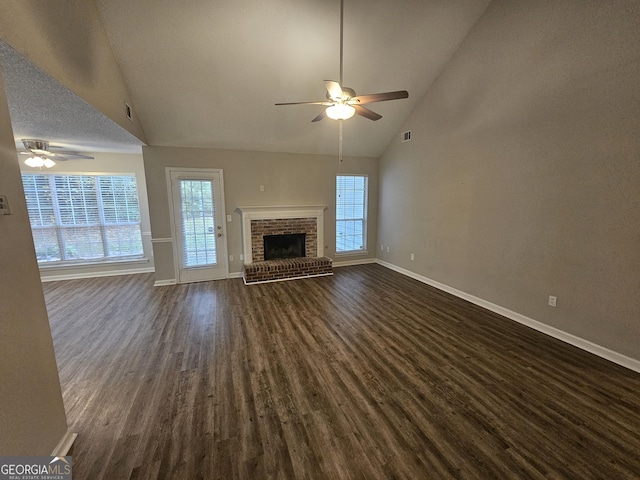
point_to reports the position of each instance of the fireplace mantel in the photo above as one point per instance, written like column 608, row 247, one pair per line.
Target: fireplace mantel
column 264, row 212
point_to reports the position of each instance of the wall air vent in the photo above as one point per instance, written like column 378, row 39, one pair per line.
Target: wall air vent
column 405, row 136
column 127, row 111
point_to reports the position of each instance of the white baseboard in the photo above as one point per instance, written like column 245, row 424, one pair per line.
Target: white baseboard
column 600, row 351
column 65, row 444
column 348, row 263
column 106, row 273
column 173, row 281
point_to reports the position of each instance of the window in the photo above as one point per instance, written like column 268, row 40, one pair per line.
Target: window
column 83, row 217
column 351, row 213
column 198, row 217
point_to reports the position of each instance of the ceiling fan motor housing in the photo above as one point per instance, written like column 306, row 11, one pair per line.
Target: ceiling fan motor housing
column 31, row 144
column 347, row 94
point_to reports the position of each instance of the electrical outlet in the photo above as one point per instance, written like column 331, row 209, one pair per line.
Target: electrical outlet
column 262, row 188
column 413, row 257
column 231, row 258
column 552, row 300
column 229, row 218
column 387, row 249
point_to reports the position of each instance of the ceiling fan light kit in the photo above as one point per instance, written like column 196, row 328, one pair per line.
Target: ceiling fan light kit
column 340, row 111
column 39, row 162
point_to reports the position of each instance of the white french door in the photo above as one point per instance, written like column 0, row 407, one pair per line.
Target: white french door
column 199, row 232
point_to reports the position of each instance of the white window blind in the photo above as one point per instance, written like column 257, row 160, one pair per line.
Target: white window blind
column 198, row 214
column 83, row 217
column 351, row 208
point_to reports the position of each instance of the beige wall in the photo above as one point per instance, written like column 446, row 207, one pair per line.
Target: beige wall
column 289, row 179
column 523, row 177
column 32, row 417
column 66, row 39
column 106, row 163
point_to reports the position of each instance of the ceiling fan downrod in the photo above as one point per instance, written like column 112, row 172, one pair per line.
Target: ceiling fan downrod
column 341, row 42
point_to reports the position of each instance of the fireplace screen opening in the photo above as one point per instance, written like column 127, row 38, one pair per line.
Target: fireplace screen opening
column 284, row 246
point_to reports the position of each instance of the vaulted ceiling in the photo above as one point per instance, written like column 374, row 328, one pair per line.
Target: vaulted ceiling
column 207, row 73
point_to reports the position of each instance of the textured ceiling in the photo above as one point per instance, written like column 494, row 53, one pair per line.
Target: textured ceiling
column 206, row 73
column 41, row 108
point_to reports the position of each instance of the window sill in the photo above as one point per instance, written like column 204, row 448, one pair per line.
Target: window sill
column 68, row 265
column 352, row 253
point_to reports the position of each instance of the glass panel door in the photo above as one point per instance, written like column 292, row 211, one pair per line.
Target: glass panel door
column 199, row 230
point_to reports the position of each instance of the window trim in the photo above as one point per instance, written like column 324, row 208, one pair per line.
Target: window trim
column 138, row 258
column 364, row 219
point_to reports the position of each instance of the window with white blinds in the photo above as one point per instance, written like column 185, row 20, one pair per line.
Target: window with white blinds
column 83, row 217
column 351, row 213
column 198, row 218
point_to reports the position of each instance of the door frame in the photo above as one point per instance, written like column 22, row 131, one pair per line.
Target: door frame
column 174, row 233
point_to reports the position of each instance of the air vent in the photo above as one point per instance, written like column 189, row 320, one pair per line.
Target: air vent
column 405, row 136
column 127, row 111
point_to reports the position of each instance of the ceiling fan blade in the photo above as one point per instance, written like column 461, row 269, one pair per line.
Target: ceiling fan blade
column 306, row 103
column 379, row 97
column 39, row 153
column 320, row 116
column 74, row 156
column 334, row 89
column 365, row 112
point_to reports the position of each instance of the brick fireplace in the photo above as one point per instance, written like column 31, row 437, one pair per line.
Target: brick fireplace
column 283, row 220
column 282, row 226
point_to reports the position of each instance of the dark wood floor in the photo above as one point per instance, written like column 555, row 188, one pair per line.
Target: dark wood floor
column 363, row 375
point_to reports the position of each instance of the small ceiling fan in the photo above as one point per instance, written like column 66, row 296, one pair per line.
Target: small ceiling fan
column 342, row 102
column 40, row 155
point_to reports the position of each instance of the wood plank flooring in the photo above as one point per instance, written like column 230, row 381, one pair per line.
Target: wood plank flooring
column 364, row 375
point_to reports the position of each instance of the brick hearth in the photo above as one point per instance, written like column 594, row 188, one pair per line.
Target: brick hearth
column 285, row 269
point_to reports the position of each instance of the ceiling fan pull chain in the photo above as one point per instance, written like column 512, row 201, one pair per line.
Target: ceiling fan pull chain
column 339, row 146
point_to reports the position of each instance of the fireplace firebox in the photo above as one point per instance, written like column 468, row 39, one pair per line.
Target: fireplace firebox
column 284, row 246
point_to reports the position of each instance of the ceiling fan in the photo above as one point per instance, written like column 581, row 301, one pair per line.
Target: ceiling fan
column 342, row 102
column 40, row 155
